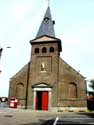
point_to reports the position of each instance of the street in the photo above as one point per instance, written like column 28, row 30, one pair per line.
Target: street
column 73, row 118
column 10, row 116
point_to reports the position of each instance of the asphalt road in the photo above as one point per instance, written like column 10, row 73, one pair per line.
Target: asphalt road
column 10, row 116
column 71, row 119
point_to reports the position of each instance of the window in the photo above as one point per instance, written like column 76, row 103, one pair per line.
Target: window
column 51, row 49
column 19, row 90
column 72, row 90
column 44, row 50
column 36, row 50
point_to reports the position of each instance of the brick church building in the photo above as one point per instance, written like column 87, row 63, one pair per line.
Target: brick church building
column 47, row 82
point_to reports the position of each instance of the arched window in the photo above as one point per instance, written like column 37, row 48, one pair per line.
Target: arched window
column 44, row 50
column 51, row 49
column 19, row 90
column 36, row 50
column 72, row 90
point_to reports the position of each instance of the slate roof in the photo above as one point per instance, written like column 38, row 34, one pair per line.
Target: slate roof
column 47, row 25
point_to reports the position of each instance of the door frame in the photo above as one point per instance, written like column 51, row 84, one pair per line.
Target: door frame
column 42, row 89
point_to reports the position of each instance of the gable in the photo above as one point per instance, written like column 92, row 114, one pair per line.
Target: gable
column 22, row 71
column 45, row 38
column 41, row 85
column 66, row 68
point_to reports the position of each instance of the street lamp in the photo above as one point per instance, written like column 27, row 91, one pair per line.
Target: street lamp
column 1, row 49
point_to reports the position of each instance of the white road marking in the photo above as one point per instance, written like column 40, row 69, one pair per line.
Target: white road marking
column 57, row 118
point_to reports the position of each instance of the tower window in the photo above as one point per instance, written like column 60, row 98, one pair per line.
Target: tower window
column 44, row 50
column 36, row 50
column 51, row 49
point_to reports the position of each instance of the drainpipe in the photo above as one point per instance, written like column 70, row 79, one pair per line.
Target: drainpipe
column 27, row 84
column 58, row 82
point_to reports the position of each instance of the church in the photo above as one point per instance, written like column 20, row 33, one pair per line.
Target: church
column 47, row 82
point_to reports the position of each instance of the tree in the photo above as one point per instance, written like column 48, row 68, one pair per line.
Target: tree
column 92, row 83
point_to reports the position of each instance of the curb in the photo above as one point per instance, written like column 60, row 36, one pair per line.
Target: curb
column 86, row 110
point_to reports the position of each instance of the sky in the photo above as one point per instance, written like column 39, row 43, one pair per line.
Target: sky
column 20, row 21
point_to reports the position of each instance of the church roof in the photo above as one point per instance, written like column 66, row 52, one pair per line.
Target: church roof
column 22, row 71
column 47, row 25
column 65, row 66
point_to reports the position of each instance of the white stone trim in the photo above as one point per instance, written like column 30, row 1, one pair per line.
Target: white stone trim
column 34, row 99
column 42, row 89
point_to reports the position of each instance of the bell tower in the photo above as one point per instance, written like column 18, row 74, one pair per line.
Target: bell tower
column 44, row 66
column 45, row 52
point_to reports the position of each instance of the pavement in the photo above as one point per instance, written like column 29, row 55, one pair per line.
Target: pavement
column 10, row 116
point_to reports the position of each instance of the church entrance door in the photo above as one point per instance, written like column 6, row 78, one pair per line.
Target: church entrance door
column 42, row 100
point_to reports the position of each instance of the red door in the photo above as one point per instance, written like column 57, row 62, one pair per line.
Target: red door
column 36, row 101
column 45, row 100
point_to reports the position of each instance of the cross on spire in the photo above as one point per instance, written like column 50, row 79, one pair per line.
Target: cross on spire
column 48, row 2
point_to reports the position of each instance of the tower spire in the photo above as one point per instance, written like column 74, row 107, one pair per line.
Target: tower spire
column 47, row 25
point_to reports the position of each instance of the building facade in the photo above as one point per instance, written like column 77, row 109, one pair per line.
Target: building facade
column 47, row 82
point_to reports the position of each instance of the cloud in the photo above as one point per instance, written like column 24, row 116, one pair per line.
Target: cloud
column 78, row 47
column 22, row 8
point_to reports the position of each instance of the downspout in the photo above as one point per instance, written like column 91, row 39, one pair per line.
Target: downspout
column 58, row 82
column 27, row 83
